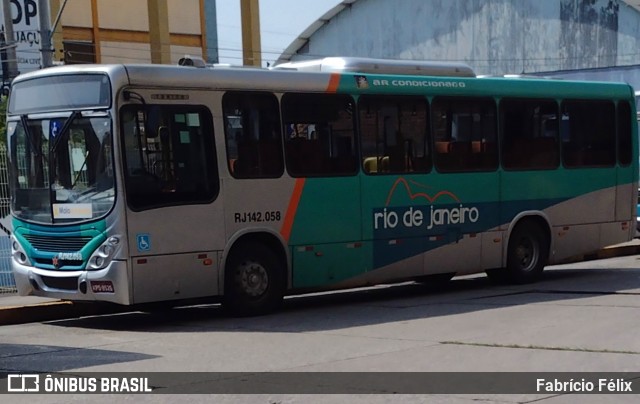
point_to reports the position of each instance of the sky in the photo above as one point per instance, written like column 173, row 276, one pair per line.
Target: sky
column 281, row 21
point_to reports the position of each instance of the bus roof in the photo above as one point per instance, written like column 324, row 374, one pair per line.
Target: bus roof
column 381, row 66
column 310, row 79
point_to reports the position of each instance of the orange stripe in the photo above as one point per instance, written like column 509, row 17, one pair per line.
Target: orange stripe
column 334, row 82
column 292, row 209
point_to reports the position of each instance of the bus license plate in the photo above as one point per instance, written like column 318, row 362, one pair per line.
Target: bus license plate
column 102, row 287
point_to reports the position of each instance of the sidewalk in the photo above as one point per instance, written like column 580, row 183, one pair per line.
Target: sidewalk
column 16, row 309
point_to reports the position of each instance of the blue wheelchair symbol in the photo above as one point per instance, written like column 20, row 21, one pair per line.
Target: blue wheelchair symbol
column 144, row 242
column 54, row 129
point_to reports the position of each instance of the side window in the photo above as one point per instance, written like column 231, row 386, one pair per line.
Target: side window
column 465, row 135
column 529, row 134
column 252, row 128
column 393, row 133
column 319, row 134
column 625, row 144
column 588, row 131
column 170, row 156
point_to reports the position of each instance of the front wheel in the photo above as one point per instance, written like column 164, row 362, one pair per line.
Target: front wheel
column 527, row 253
column 254, row 280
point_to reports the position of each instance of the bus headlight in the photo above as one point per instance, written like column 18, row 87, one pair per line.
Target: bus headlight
column 18, row 253
column 96, row 262
column 104, row 254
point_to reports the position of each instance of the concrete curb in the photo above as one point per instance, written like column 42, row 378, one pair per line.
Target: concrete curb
column 609, row 252
column 50, row 311
column 59, row 310
column 35, row 312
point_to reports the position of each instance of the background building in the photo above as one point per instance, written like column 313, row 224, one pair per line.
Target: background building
column 116, row 31
column 113, row 31
column 493, row 36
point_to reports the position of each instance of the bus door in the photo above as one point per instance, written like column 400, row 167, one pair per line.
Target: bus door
column 397, row 189
column 320, row 151
column 171, row 187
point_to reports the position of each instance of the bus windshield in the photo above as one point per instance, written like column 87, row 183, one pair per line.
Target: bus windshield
column 61, row 168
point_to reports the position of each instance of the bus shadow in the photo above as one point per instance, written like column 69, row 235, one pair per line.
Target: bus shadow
column 19, row 358
column 377, row 305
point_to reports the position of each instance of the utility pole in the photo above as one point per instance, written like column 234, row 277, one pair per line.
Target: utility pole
column 12, row 58
column 57, row 38
column 45, row 32
column 210, row 16
column 159, row 36
column 251, row 48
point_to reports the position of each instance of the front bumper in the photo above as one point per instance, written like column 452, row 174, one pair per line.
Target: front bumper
column 110, row 284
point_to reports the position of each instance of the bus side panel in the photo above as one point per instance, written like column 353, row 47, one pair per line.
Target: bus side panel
column 327, row 264
column 165, row 246
column 587, row 231
column 254, row 204
column 179, row 276
column 577, row 203
column 626, row 194
column 326, row 233
column 522, row 191
column 437, row 217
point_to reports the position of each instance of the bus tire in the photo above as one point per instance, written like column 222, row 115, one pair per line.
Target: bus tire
column 254, row 280
column 497, row 275
column 527, row 253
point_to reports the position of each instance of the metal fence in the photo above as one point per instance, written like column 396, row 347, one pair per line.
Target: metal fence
column 7, row 283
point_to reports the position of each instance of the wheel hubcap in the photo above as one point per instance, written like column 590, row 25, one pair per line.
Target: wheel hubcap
column 527, row 254
column 253, row 278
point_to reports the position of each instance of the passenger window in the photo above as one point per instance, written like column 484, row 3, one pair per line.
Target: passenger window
column 530, row 130
column 252, row 128
column 465, row 135
column 394, row 133
column 170, row 156
column 319, row 134
column 588, row 133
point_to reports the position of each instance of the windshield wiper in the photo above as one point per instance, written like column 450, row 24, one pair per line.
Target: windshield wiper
column 27, row 132
column 64, row 130
column 53, row 145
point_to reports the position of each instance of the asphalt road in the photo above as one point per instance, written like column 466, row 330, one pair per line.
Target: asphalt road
column 581, row 318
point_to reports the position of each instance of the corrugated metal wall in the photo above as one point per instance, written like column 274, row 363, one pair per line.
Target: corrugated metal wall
column 493, row 36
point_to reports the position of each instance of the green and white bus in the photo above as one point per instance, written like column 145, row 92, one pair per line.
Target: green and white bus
column 136, row 184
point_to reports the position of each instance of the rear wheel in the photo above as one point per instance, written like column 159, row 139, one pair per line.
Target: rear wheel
column 254, row 280
column 527, row 255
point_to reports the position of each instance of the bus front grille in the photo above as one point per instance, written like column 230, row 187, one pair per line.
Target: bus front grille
column 57, row 244
column 62, row 264
column 65, row 283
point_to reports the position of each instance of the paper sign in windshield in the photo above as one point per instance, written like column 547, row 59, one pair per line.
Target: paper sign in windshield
column 72, row 211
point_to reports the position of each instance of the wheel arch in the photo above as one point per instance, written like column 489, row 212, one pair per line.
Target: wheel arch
column 270, row 239
column 537, row 217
